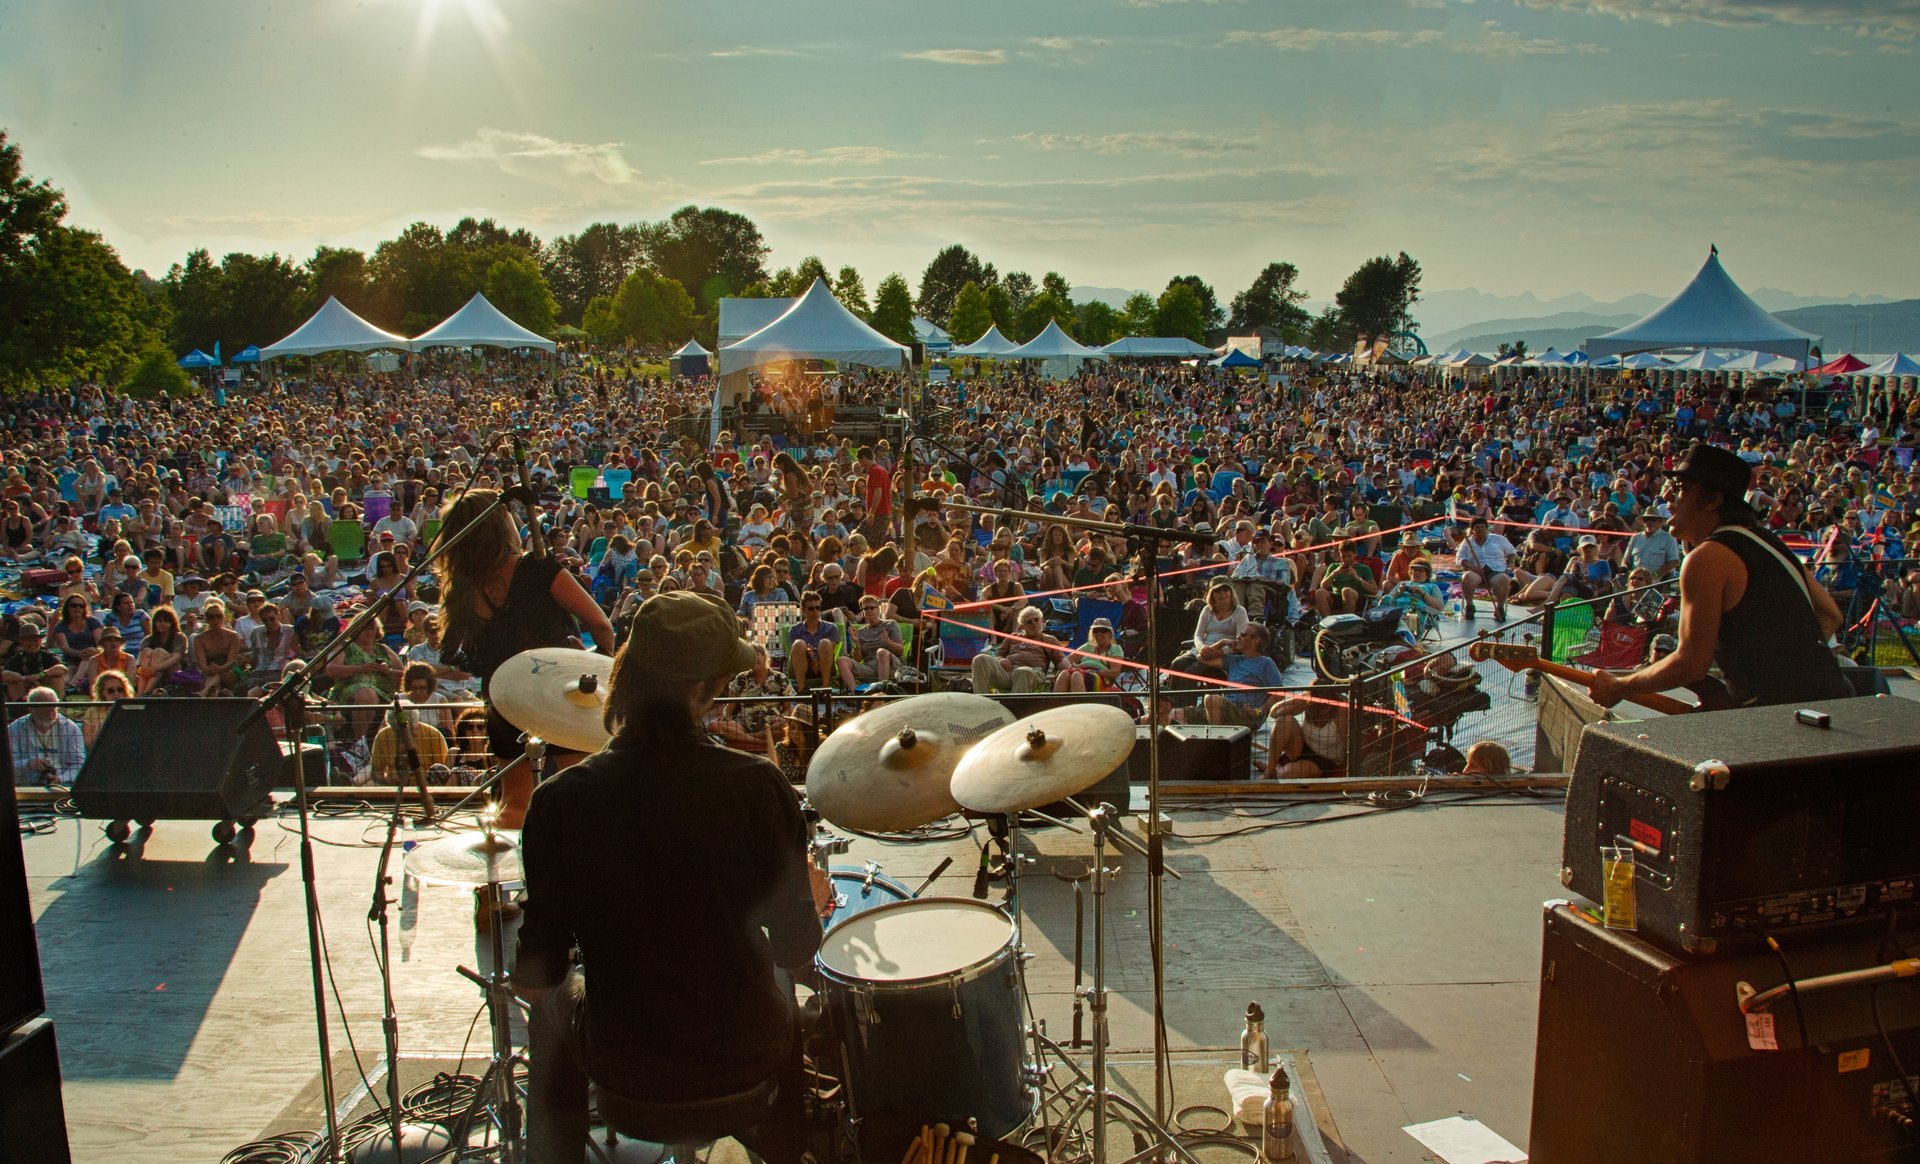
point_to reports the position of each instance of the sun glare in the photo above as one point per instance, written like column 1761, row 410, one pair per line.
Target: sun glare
column 484, row 16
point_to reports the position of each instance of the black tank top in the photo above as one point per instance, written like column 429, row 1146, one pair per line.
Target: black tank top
column 529, row 618
column 1770, row 648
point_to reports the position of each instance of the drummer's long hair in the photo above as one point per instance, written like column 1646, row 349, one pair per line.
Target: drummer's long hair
column 465, row 568
column 646, row 706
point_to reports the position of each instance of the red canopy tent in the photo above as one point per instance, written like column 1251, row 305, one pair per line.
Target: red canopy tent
column 1839, row 366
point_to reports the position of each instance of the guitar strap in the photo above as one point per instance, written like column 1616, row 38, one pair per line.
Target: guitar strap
column 1793, row 567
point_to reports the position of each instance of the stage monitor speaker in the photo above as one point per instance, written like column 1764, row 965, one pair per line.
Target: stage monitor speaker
column 33, row 1121
column 1764, row 818
column 20, row 987
column 1213, row 753
column 1644, row 1056
column 178, row 759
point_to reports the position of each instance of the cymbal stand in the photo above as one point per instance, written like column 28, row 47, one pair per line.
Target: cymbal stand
column 498, row 1097
column 1087, row 1096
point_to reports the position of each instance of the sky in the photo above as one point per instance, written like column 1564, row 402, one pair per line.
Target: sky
column 1545, row 146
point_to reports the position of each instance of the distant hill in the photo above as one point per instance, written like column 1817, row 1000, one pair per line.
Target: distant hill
column 1114, row 297
column 1846, row 327
column 1469, row 311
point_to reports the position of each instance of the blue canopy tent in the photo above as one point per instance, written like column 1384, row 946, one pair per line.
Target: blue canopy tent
column 1235, row 359
column 247, row 355
column 198, row 359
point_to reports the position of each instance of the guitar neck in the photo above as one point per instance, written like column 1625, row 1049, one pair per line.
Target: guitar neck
column 1665, row 704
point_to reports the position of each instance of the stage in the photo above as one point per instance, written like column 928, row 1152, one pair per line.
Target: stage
column 1398, row 951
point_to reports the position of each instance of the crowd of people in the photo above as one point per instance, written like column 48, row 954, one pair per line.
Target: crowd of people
column 190, row 548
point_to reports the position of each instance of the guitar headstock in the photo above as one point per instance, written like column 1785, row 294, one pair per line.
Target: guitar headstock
column 1512, row 656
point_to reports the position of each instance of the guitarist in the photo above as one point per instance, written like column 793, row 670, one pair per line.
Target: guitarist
column 1745, row 601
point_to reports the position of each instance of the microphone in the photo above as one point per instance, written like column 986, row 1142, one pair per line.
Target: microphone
column 980, row 878
column 536, row 537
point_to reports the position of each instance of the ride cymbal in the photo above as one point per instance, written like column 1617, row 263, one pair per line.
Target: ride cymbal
column 556, row 693
column 475, row 858
column 891, row 768
column 1045, row 757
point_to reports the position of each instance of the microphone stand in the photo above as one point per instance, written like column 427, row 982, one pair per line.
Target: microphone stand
column 290, row 695
column 1144, row 541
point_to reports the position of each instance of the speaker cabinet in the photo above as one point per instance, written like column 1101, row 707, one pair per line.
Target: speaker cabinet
column 178, row 759
column 33, row 1121
column 1213, row 753
column 20, row 988
column 1644, row 1056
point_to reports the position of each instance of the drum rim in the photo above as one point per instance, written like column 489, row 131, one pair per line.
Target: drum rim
column 960, row 976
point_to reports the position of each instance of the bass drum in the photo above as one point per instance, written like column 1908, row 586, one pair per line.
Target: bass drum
column 859, row 890
column 925, row 996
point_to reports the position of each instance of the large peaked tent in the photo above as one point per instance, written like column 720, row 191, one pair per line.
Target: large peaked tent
column 817, row 327
column 1710, row 312
column 335, row 328
column 480, row 324
column 1060, row 355
column 992, row 344
column 1153, row 346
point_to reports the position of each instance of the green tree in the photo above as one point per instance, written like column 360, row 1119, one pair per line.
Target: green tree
column 1180, row 312
column 418, row 279
column 1329, row 331
column 68, row 307
column 1042, row 309
column 197, row 291
column 1020, row 288
column 266, row 299
column 1000, row 306
column 893, row 309
column 1516, row 348
column 953, row 268
column 157, row 374
column 972, row 314
column 851, row 292
column 1054, row 283
column 800, row 279
column 600, row 322
column 517, row 287
column 581, row 267
column 1271, row 304
column 712, row 253
column 1096, row 323
column 339, row 273
column 1377, row 299
column 653, row 309
column 1139, row 315
column 1210, row 311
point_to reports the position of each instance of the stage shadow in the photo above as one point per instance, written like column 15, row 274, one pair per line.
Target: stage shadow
column 134, row 950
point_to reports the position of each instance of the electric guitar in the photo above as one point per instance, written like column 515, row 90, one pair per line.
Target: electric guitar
column 1522, row 657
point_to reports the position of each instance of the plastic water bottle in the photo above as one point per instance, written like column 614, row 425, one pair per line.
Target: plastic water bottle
column 1253, row 1040
column 1276, row 1124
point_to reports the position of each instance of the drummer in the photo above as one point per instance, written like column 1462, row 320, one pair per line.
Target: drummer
column 686, row 949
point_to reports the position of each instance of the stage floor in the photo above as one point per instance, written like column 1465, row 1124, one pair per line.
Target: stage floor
column 1399, row 950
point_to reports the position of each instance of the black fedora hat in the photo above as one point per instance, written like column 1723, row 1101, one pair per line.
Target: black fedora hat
column 1718, row 469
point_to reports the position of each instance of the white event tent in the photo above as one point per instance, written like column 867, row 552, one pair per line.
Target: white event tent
column 990, row 345
column 480, row 324
column 335, row 328
column 1151, row 346
column 1060, row 355
column 1710, row 312
column 1898, row 364
column 817, row 327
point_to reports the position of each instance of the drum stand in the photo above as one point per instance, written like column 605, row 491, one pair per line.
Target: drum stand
column 498, row 1097
column 1087, row 1097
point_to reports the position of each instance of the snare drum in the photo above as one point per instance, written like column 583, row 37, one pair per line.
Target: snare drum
column 859, row 890
column 926, row 998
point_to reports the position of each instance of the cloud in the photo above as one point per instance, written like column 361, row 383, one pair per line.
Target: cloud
column 1301, row 40
column 1068, row 43
column 959, row 56
column 1165, row 3
column 1894, row 19
column 537, row 157
column 1494, row 41
column 1827, row 50
column 754, row 50
column 1190, row 142
column 831, row 156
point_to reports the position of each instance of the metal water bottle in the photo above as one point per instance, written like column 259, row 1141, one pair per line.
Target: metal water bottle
column 1253, row 1040
column 1276, row 1124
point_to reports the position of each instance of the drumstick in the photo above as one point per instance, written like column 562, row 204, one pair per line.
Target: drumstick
column 966, row 1141
column 913, row 1151
column 938, row 1147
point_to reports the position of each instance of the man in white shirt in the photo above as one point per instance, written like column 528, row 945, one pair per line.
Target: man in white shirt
column 48, row 748
column 1654, row 549
column 1484, row 562
column 398, row 524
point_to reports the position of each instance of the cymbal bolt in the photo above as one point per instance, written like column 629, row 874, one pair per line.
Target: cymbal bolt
column 907, row 738
column 1036, row 738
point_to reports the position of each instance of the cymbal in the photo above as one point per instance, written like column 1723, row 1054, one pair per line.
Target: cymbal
column 1045, row 757
column 475, row 858
column 890, row 768
column 556, row 693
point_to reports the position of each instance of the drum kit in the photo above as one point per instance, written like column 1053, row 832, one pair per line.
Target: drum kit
column 921, row 1012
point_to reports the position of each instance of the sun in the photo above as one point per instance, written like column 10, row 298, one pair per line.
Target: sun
column 484, row 16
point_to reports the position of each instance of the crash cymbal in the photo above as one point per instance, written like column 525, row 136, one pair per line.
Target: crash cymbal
column 556, row 693
column 1045, row 757
column 890, row 768
column 468, row 859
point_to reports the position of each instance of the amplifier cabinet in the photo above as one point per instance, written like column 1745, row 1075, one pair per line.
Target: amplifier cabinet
column 1751, row 820
column 1643, row 1056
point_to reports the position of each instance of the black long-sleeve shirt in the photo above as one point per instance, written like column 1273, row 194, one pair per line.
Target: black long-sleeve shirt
column 679, row 870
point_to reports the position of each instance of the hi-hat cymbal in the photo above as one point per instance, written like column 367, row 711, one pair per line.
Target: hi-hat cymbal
column 556, row 693
column 1045, row 757
column 468, row 859
column 890, row 768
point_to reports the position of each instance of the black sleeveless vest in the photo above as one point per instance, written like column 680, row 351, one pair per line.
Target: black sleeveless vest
column 1770, row 648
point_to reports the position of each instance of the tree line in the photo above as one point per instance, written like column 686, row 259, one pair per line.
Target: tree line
column 74, row 310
